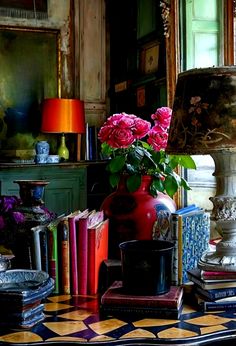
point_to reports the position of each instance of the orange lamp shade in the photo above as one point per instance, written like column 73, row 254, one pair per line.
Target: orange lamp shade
column 63, row 116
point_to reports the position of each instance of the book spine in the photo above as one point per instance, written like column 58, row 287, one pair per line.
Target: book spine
column 53, row 257
column 73, row 255
column 217, row 293
column 64, row 256
column 91, row 261
column 44, row 250
column 36, row 249
column 82, row 246
column 159, row 313
column 174, row 238
column 180, row 252
column 214, row 306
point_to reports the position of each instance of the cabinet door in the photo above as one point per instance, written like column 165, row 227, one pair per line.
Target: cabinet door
column 66, row 191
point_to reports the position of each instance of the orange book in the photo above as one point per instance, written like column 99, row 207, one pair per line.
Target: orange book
column 97, row 253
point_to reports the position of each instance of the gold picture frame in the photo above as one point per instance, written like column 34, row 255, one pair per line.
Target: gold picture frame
column 30, row 71
column 149, row 58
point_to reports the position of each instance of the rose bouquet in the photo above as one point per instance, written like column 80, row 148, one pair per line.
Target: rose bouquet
column 137, row 148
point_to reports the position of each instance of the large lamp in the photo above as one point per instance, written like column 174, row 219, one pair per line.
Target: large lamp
column 204, row 122
column 60, row 115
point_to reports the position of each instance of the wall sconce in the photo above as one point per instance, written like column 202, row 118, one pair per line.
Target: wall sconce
column 204, row 122
column 63, row 116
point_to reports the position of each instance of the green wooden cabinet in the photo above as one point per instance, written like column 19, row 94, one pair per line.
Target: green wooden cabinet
column 67, row 188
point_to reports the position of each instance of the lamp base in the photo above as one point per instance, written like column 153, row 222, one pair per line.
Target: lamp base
column 63, row 151
column 224, row 257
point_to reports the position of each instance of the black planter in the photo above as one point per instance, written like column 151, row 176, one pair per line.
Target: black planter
column 146, row 266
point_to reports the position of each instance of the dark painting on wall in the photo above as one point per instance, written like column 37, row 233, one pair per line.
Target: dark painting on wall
column 28, row 74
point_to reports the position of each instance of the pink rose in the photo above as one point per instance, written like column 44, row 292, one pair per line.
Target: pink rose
column 105, row 133
column 157, row 138
column 121, row 138
column 141, row 128
column 162, row 116
column 118, row 130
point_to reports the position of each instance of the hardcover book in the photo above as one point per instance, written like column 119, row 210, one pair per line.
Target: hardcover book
column 217, row 293
column 64, row 256
column 218, row 275
column 53, row 252
column 97, row 253
column 115, row 296
column 190, row 232
column 85, row 222
column 168, row 305
column 225, row 304
column 73, row 236
column 194, row 275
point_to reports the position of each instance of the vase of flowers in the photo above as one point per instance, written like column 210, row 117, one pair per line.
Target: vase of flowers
column 143, row 174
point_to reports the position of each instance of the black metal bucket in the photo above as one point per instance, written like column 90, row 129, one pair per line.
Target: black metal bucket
column 146, row 266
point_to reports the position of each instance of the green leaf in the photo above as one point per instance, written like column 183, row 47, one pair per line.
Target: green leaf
column 158, row 185
column 171, row 185
column 116, row 164
column 114, row 180
column 106, row 149
column 133, row 182
column 185, row 184
column 186, row 161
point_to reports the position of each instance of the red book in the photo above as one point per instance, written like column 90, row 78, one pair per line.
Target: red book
column 97, row 253
column 218, row 275
column 115, row 296
column 84, row 223
column 73, row 225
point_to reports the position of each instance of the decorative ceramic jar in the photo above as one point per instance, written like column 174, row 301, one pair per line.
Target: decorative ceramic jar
column 133, row 215
column 35, row 213
column 42, row 147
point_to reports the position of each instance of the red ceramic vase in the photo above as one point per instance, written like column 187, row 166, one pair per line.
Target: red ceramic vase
column 133, row 215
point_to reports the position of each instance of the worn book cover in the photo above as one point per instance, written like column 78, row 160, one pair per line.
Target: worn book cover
column 73, row 235
column 97, row 253
column 190, row 232
column 85, row 222
column 217, row 293
column 64, row 256
column 194, row 275
column 115, row 296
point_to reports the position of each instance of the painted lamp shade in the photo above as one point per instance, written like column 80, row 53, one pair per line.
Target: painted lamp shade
column 204, row 111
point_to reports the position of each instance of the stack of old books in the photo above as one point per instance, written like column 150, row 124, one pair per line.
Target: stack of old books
column 214, row 290
column 115, row 302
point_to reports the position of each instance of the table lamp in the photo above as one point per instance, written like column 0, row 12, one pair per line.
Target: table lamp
column 204, row 122
column 60, row 115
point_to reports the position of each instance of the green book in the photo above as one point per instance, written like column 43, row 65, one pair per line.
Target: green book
column 53, row 252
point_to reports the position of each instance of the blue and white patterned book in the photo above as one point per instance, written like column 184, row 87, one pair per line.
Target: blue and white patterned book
column 190, row 232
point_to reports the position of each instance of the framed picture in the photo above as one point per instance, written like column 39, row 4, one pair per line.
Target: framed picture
column 149, row 57
column 29, row 73
column 141, row 97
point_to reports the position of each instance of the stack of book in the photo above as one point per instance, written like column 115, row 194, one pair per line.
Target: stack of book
column 71, row 249
column 214, row 291
column 116, row 302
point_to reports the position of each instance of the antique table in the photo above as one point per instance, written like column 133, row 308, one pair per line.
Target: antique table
column 76, row 321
